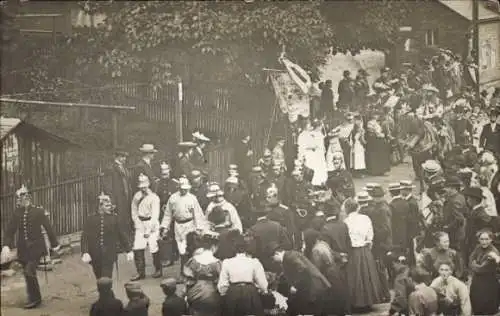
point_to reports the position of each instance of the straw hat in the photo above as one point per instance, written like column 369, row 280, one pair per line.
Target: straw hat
column 394, row 186
column 407, row 184
column 148, row 149
column 363, row 196
column 199, row 136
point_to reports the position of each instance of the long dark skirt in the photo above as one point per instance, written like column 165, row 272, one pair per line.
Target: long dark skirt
column 242, row 299
column 377, row 156
column 484, row 294
column 363, row 279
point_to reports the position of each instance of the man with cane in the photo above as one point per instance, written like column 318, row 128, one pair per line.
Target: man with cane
column 101, row 235
column 28, row 221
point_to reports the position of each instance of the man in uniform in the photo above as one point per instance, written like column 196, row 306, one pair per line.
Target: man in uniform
column 400, row 210
column 414, row 215
column 278, row 178
column 183, row 208
column 282, row 214
column 100, row 237
column 166, row 186
column 237, row 194
column 266, row 162
column 216, row 196
column 243, row 157
column 199, row 188
column 27, row 221
column 144, row 166
column 145, row 215
column 184, row 165
column 264, row 233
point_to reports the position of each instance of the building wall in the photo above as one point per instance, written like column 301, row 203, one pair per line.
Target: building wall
column 489, row 53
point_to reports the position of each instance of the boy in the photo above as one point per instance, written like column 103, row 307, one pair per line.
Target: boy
column 173, row 305
column 107, row 304
column 138, row 303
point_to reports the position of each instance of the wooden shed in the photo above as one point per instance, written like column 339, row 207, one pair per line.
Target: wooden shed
column 30, row 155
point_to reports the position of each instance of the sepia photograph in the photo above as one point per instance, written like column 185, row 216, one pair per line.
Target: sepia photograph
column 250, row 158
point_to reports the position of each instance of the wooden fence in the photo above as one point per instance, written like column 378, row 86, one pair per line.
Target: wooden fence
column 68, row 203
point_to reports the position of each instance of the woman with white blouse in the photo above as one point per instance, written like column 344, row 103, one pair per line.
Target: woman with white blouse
column 365, row 287
column 241, row 281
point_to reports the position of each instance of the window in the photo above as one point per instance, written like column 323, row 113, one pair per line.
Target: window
column 431, row 37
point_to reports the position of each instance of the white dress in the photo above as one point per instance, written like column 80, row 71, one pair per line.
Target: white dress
column 358, row 153
column 312, row 152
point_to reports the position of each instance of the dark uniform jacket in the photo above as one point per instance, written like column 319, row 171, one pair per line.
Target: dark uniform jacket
column 382, row 228
column 400, row 223
column 286, row 217
column 341, row 184
column 454, row 210
column 108, row 307
column 414, row 217
column 201, row 195
column 184, row 166
column 137, row 307
column 28, row 222
column 242, row 159
column 101, row 235
column 174, row 306
column 336, row 234
column 264, row 233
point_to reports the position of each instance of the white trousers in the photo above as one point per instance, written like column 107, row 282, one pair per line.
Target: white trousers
column 141, row 242
column 181, row 231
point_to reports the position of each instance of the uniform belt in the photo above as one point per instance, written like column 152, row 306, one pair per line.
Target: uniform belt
column 144, row 218
column 241, row 283
column 183, row 221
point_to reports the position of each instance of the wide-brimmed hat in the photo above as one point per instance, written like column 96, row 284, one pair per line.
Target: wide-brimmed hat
column 406, row 184
column 184, row 183
column 395, row 186
column 431, row 166
column 148, row 149
column 233, row 167
column 453, row 181
column 474, row 192
column 186, row 144
column 200, row 136
column 437, row 182
column 143, row 181
column 369, row 186
column 121, row 153
column 363, row 196
column 195, row 174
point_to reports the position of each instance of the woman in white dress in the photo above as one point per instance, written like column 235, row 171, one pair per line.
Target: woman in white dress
column 358, row 142
column 312, row 152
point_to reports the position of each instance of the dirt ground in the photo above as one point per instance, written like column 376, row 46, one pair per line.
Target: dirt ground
column 70, row 289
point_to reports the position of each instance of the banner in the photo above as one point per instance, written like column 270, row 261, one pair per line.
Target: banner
column 291, row 89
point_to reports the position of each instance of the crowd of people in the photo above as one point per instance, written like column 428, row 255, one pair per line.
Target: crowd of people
column 292, row 234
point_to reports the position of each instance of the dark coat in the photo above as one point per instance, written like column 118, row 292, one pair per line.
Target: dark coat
column 380, row 215
column 199, row 161
column 286, row 217
column 495, row 182
column 346, row 92
column 301, row 273
column 297, row 193
column 478, row 219
column 137, row 307
column 400, row 210
column 28, row 223
column 108, row 307
column 201, row 195
column 242, row 159
column 336, row 234
column 490, row 139
column 454, row 210
column 120, row 188
column 147, row 170
column 414, row 217
column 326, row 103
column 264, row 233
column 341, row 184
column 102, row 243
column 173, row 305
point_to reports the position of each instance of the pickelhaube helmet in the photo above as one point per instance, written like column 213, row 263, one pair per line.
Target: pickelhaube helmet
column 22, row 191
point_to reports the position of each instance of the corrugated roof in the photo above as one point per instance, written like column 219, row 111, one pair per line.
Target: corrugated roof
column 7, row 124
column 464, row 8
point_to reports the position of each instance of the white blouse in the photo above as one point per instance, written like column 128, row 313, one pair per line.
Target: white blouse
column 360, row 229
column 241, row 269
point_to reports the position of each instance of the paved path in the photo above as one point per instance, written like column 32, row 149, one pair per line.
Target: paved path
column 70, row 288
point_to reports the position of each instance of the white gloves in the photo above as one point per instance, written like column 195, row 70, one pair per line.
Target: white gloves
column 86, row 258
column 130, row 256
